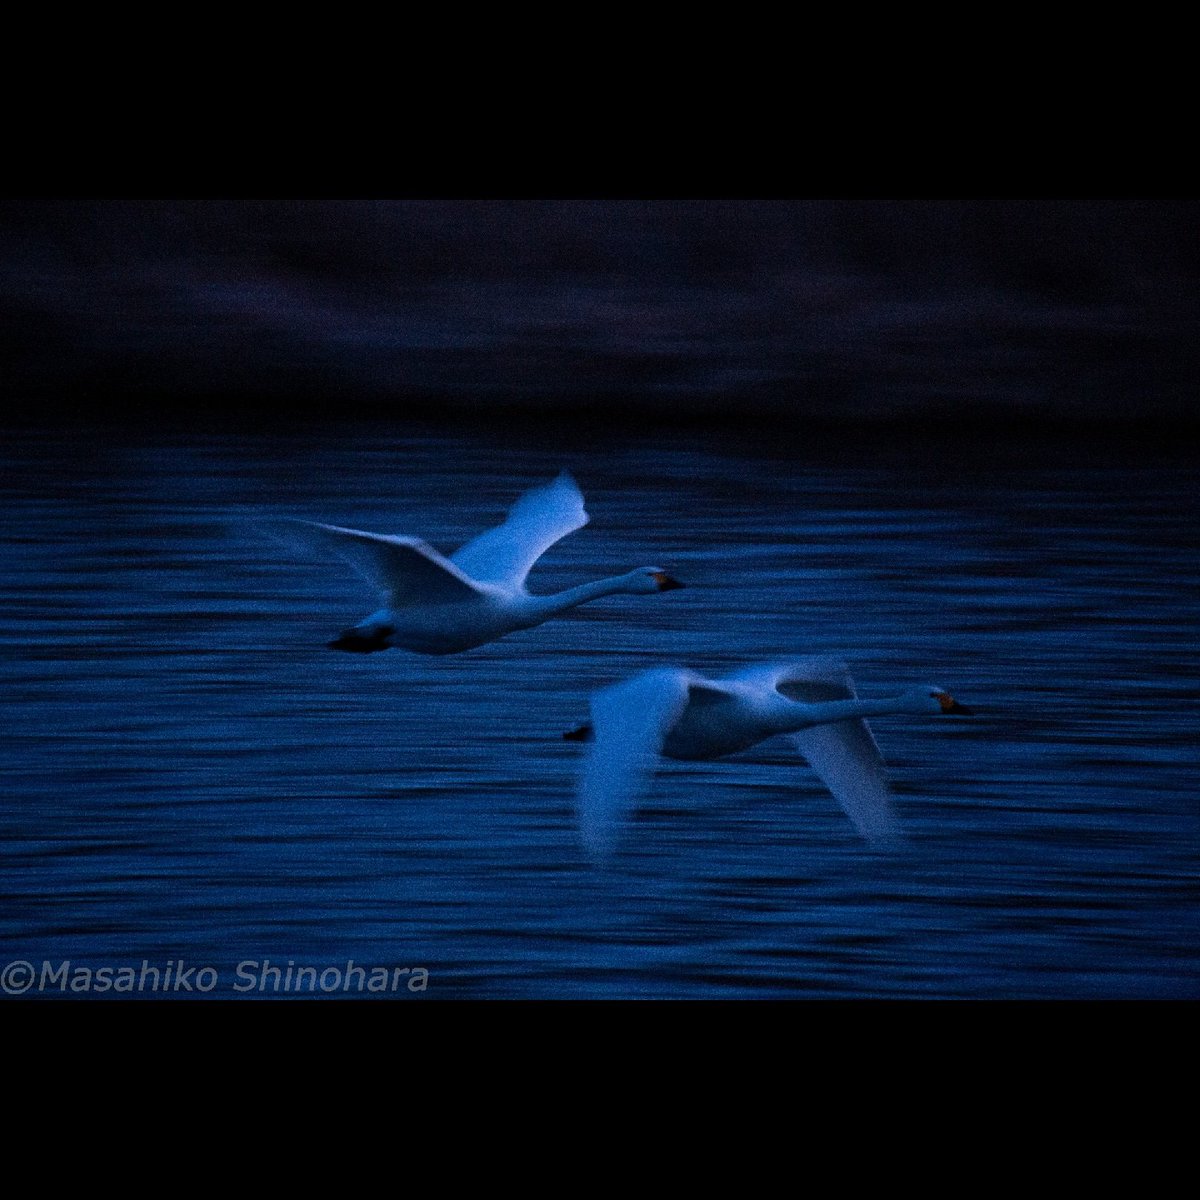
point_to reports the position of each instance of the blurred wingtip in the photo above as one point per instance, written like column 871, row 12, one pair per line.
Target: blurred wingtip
column 888, row 840
column 278, row 529
column 598, row 850
column 296, row 533
column 597, row 835
column 564, row 479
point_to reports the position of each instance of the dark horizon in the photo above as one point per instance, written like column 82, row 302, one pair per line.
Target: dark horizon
column 927, row 311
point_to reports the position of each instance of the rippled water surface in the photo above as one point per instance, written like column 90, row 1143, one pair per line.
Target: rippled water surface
column 188, row 773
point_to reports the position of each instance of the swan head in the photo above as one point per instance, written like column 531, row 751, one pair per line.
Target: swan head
column 930, row 698
column 651, row 579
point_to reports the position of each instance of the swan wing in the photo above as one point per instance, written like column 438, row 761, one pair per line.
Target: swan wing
column 541, row 517
column 630, row 722
column 406, row 570
column 844, row 754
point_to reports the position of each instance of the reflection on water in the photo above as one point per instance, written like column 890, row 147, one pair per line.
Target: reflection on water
column 189, row 773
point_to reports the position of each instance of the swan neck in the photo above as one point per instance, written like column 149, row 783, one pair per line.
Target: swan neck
column 548, row 606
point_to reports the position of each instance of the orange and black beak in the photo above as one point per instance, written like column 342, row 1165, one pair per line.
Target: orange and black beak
column 665, row 582
column 952, row 706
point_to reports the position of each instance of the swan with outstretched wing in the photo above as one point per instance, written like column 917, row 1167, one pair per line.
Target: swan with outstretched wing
column 676, row 713
column 437, row 605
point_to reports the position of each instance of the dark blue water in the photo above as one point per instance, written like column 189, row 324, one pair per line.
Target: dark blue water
column 188, row 774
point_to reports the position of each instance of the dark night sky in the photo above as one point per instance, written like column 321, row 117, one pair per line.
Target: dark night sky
column 829, row 308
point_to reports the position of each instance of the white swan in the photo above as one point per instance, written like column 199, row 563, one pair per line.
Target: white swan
column 437, row 605
column 680, row 714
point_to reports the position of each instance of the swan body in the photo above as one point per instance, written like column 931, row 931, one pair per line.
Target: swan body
column 680, row 714
column 437, row 605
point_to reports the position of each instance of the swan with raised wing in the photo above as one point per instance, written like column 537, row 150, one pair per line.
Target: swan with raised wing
column 437, row 605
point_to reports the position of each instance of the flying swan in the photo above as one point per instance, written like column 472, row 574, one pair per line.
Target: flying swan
column 680, row 714
column 437, row 605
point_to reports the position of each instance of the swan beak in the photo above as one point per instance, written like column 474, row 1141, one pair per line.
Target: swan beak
column 665, row 582
column 950, row 705
column 582, row 734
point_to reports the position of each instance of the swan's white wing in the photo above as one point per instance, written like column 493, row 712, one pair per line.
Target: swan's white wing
column 541, row 517
column 843, row 753
column 845, row 756
column 406, row 570
column 630, row 721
